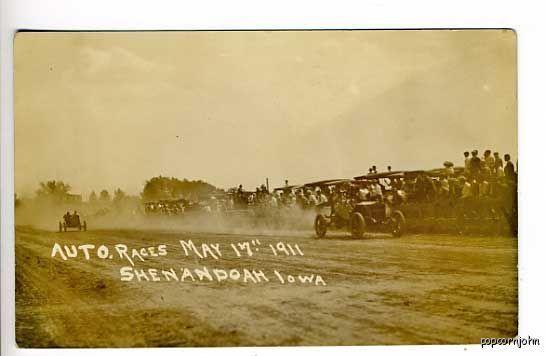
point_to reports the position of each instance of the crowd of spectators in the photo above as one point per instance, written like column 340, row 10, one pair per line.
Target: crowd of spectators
column 480, row 177
column 488, row 176
column 301, row 197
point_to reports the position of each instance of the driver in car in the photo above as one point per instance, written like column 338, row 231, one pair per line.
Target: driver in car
column 66, row 217
column 75, row 218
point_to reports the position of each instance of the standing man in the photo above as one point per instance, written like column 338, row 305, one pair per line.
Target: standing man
column 474, row 165
column 509, row 169
column 498, row 164
column 240, row 197
column 466, row 162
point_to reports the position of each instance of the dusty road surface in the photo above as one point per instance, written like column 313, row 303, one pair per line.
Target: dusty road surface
column 417, row 289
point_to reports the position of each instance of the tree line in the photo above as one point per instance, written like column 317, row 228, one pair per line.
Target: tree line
column 165, row 188
column 156, row 188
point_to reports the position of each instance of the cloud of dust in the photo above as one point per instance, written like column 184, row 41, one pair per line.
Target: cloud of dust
column 47, row 215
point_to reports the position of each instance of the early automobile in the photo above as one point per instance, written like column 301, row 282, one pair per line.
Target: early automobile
column 432, row 201
column 359, row 216
column 72, row 221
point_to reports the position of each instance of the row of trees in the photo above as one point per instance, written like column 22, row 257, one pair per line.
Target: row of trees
column 165, row 188
column 156, row 188
column 59, row 191
column 53, row 190
column 104, row 196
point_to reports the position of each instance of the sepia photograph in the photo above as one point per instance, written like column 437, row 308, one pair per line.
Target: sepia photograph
column 265, row 188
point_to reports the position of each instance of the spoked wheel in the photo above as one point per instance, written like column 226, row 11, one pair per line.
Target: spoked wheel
column 357, row 225
column 320, row 225
column 398, row 223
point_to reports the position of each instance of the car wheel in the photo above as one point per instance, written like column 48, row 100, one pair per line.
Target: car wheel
column 357, row 225
column 398, row 223
column 320, row 225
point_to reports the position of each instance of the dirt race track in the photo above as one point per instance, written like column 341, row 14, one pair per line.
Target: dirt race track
column 418, row 289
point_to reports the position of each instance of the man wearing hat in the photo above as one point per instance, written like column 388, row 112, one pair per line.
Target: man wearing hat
column 474, row 165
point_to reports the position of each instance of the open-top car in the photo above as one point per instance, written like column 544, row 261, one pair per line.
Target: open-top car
column 72, row 221
column 447, row 200
column 359, row 216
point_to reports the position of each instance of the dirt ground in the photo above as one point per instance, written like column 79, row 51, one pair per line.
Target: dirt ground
column 418, row 289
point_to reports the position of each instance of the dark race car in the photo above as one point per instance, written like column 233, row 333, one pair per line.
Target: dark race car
column 72, row 221
column 347, row 211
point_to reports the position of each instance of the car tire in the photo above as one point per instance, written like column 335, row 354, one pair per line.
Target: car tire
column 320, row 226
column 398, row 223
column 357, row 225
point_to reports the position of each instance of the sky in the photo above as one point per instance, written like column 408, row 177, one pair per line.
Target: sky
column 110, row 110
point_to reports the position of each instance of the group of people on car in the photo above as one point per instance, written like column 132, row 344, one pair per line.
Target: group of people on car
column 478, row 168
column 486, row 176
column 164, row 208
column 303, row 197
column 71, row 219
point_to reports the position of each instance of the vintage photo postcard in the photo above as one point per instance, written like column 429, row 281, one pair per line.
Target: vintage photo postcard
column 265, row 188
